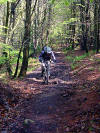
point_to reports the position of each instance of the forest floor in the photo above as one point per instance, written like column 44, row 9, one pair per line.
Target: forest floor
column 70, row 103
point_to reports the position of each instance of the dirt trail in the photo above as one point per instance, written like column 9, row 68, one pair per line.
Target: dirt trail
column 56, row 107
column 45, row 107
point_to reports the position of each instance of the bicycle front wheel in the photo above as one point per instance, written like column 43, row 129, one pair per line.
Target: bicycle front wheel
column 47, row 78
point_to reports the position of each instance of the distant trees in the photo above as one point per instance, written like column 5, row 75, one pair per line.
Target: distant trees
column 82, row 23
column 89, row 24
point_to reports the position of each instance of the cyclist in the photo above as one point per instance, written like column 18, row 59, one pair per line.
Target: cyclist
column 46, row 55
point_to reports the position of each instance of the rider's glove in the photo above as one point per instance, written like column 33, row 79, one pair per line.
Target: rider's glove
column 42, row 61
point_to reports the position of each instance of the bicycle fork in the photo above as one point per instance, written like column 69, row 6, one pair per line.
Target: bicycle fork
column 46, row 74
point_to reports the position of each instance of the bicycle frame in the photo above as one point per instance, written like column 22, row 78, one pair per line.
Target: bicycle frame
column 46, row 73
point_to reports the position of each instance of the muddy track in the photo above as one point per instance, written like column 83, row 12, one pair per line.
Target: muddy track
column 45, row 107
column 53, row 107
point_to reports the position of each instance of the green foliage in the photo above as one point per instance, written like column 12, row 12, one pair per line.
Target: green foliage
column 70, row 58
column 53, row 1
column 66, row 2
column 73, row 66
column 33, row 64
column 5, row 47
column 91, row 0
column 38, row 49
column 80, row 5
column 76, row 59
column 67, row 49
column 4, row 1
column 1, row 26
column 71, row 20
column 63, row 20
column 91, row 129
column 14, row 56
column 2, row 60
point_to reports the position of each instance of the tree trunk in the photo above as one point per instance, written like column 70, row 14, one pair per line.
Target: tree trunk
column 48, row 23
column 73, row 26
column 26, row 39
column 85, row 24
column 16, row 71
column 42, row 26
column 82, row 11
column 7, row 21
column 96, row 25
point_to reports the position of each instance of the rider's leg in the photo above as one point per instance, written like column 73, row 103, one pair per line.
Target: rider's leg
column 49, row 69
column 42, row 69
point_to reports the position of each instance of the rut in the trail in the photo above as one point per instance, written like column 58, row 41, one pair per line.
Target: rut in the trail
column 46, row 108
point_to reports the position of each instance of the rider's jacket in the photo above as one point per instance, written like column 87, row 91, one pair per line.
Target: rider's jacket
column 46, row 56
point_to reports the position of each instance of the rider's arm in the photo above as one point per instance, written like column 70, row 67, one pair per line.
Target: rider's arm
column 41, row 56
column 53, row 56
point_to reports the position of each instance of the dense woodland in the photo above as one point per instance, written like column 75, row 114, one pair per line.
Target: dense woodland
column 71, row 101
column 26, row 26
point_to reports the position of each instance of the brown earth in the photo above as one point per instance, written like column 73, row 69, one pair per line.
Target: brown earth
column 68, row 104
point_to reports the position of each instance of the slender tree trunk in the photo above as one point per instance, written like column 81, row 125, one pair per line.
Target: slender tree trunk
column 26, row 39
column 82, row 11
column 87, row 26
column 13, row 4
column 16, row 71
column 99, row 25
column 48, row 23
column 96, row 25
column 35, row 31
column 42, row 26
column 73, row 26
column 7, row 20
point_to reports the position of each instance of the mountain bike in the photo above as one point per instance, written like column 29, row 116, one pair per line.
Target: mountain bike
column 46, row 73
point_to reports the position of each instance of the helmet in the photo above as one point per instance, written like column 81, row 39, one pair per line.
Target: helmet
column 47, row 49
